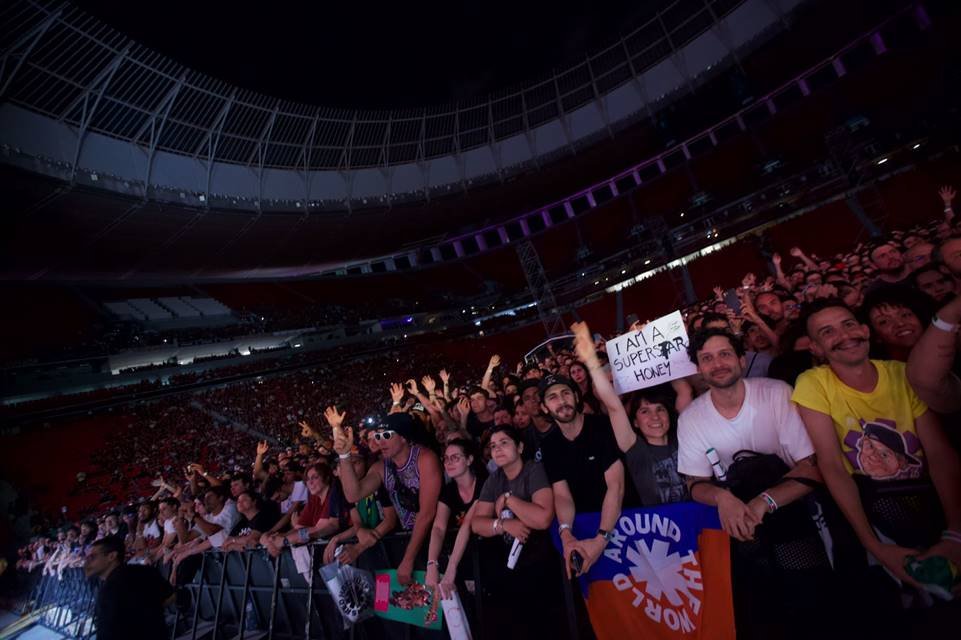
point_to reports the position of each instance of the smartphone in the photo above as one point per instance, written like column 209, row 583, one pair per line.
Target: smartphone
column 577, row 563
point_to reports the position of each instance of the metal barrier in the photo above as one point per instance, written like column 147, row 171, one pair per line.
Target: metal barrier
column 250, row 596
column 64, row 603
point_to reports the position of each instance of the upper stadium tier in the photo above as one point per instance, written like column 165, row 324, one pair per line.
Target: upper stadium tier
column 84, row 102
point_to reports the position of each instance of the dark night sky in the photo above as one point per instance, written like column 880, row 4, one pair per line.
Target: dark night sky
column 361, row 54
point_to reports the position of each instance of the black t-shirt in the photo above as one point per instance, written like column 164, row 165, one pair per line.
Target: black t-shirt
column 476, row 427
column 450, row 496
column 532, row 441
column 263, row 521
column 130, row 604
column 653, row 471
column 582, row 461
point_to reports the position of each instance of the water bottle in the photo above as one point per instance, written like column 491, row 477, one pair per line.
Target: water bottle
column 719, row 471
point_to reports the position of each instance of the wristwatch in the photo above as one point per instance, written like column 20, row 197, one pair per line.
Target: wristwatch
column 607, row 535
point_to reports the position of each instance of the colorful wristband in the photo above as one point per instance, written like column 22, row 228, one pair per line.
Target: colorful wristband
column 771, row 504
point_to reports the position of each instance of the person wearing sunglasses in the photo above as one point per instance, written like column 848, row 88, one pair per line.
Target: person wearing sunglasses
column 410, row 473
column 454, row 509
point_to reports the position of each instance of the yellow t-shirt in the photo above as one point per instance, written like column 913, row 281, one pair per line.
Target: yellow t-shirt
column 876, row 429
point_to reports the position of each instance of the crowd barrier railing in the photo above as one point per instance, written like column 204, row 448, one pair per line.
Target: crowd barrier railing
column 249, row 595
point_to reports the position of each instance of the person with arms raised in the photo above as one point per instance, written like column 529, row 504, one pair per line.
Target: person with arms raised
column 410, row 473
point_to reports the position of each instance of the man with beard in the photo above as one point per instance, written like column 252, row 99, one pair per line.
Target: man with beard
column 779, row 569
column 737, row 414
column 889, row 262
column 844, row 402
column 583, row 465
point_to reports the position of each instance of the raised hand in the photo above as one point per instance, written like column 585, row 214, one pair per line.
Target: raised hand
column 444, row 376
column 412, row 386
column 343, row 439
column 262, row 448
column 306, row 431
column 333, row 417
column 947, row 194
column 429, row 384
column 396, row 392
column 719, row 293
column 583, row 342
column 776, row 259
column 463, row 405
column 796, row 252
column 494, row 362
column 748, row 280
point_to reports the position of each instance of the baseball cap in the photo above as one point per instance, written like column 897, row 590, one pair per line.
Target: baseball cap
column 551, row 380
column 401, row 423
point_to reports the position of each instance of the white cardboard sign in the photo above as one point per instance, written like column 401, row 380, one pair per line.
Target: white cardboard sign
column 655, row 354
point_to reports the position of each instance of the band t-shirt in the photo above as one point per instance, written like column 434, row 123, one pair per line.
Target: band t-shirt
column 876, row 429
column 582, row 461
column 262, row 521
column 653, row 470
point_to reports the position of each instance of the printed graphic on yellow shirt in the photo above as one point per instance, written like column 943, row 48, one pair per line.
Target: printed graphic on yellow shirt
column 881, row 452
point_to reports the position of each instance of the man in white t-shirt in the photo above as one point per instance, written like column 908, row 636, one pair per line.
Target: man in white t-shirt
column 220, row 517
column 736, row 414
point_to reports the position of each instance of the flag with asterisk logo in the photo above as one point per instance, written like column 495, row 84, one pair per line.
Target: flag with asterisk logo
column 665, row 574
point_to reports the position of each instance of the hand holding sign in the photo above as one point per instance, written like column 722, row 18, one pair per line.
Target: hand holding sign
column 655, row 354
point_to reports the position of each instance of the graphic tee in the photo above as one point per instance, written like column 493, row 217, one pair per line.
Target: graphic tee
column 876, row 429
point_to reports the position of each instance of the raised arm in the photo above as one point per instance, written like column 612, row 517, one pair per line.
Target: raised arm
column 947, row 197
column 800, row 255
column 445, row 379
column 488, row 373
column 355, row 489
column 931, row 360
column 779, row 272
column 603, row 391
column 259, row 472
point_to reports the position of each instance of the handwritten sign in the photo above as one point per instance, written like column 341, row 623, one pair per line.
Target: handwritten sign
column 655, row 354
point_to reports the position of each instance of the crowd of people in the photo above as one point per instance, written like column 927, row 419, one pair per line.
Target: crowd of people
column 829, row 387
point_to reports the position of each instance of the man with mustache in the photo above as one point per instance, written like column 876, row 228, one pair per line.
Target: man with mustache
column 852, row 390
column 583, row 465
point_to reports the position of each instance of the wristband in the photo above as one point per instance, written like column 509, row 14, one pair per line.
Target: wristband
column 432, row 562
column 771, row 504
column 304, row 534
column 562, row 527
column 343, row 456
column 953, row 536
column 938, row 323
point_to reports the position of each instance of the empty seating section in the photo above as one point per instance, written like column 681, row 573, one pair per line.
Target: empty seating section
column 151, row 309
column 167, row 308
column 207, row 306
column 122, row 309
column 178, row 307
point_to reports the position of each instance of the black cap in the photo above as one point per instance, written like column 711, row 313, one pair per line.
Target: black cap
column 550, row 380
column 401, row 423
column 890, row 439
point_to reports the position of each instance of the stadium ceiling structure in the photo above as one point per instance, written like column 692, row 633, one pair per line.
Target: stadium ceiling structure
column 82, row 102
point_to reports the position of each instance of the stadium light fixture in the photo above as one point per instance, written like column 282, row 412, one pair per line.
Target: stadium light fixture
column 916, row 146
column 882, row 160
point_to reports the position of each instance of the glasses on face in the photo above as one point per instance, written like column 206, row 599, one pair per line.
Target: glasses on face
column 452, row 458
column 384, row 435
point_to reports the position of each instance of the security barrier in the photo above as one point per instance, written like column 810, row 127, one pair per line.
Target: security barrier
column 251, row 596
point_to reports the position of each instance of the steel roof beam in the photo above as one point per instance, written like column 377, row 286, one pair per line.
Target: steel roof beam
column 27, row 42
